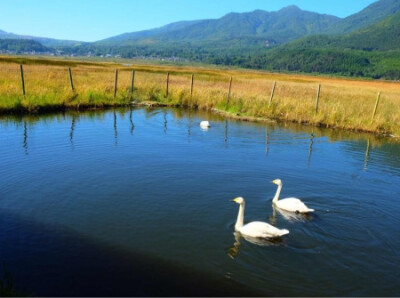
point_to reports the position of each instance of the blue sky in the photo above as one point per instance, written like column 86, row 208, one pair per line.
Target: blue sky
column 89, row 20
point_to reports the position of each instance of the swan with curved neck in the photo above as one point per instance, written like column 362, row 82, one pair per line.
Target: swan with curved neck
column 256, row 229
column 289, row 204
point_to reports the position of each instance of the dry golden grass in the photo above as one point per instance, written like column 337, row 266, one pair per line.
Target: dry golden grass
column 343, row 103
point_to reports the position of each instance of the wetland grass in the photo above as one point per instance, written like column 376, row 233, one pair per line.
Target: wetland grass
column 343, row 103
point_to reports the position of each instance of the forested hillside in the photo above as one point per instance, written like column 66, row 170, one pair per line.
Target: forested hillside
column 372, row 14
column 371, row 52
column 277, row 27
column 20, row 46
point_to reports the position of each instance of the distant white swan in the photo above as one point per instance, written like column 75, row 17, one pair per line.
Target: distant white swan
column 289, row 204
column 205, row 124
column 256, row 229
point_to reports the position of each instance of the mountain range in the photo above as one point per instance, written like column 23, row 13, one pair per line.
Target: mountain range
column 283, row 40
column 47, row 42
column 285, row 25
column 282, row 26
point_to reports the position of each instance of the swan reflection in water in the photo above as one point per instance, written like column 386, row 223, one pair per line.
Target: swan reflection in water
column 289, row 216
column 234, row 250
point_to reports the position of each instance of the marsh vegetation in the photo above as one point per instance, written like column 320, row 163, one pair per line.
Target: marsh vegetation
column 343, row 103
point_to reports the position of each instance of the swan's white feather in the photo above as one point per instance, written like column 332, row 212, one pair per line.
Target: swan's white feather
column 293, row 205
column 288, row 204
column 258, row 229
column 255, row 229
column 205, row 124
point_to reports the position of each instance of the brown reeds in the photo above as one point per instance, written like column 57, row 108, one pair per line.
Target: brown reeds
column 342, row 103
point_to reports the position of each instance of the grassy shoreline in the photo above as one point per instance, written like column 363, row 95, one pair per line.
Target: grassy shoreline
column 344, row 103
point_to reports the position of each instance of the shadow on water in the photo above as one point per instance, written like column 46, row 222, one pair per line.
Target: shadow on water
column 190, row 124
column 71, row 133
column 165, row 121
column 289, row 216
column 266, row 141
column 67, row 264
column 7, row 287
column 131, row 121
column 310, row 148
column 25, row 143
column 366, row 160
column 233, row 251
column 226, row 132
column 115, row 129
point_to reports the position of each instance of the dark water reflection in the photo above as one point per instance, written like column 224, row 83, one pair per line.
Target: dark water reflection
column 136, row 202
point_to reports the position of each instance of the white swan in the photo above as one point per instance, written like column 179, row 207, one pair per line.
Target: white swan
column 256, row 229
column 204, row 124
column 289, row 204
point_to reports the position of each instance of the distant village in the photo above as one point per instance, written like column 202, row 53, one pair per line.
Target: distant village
column 59, row 53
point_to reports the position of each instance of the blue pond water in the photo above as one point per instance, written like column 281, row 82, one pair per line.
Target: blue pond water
column 138, row 202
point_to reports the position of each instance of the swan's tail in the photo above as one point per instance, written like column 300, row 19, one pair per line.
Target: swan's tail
column 283, row 232
column 310, row 210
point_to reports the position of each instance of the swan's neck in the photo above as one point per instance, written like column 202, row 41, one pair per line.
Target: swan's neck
column 239, row 221
column 278, row 192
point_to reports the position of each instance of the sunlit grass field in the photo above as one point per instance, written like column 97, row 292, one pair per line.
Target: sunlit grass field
column 343, row 103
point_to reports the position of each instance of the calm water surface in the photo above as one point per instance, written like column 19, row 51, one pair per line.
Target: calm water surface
column 137, row 202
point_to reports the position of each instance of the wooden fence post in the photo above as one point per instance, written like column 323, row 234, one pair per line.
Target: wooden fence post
column 376, row 105
column 191, row 87
column 22, row 79
column 70, row 79
column 229, row 91
column 132, row 84
column 272, row 94
column 167, row 90
column 317, row 99
column 116, row 83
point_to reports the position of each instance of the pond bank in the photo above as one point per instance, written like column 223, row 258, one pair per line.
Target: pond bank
column 367, row 106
